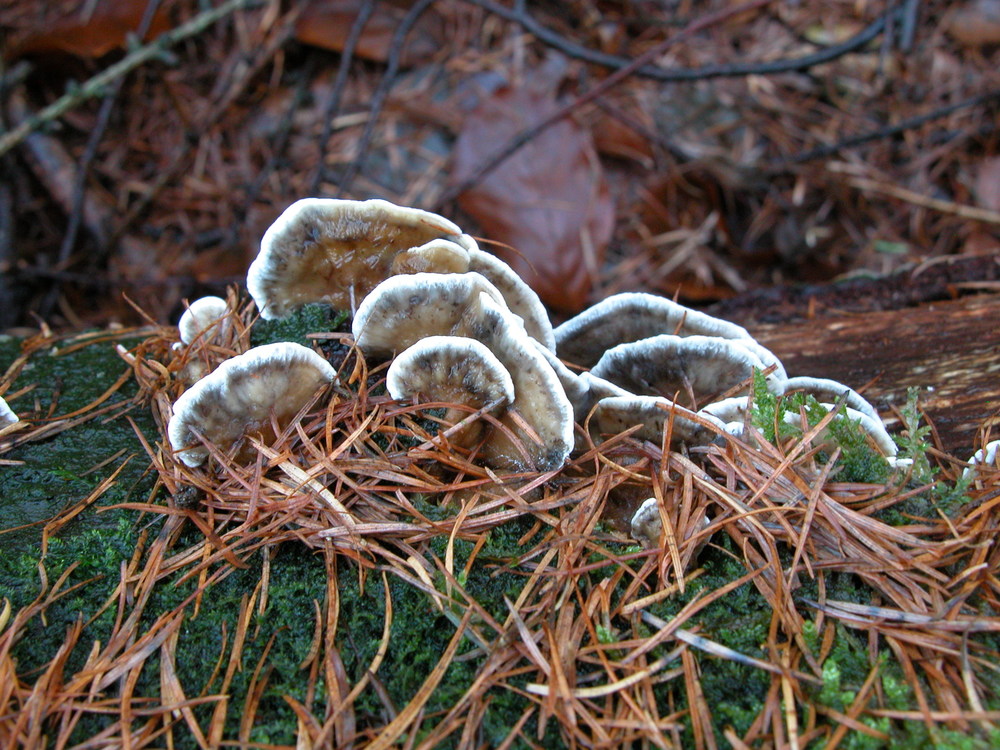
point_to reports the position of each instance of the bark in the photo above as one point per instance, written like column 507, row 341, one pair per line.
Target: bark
column 948, row 349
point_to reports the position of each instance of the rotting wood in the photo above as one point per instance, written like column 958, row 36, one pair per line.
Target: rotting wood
column 950, row 350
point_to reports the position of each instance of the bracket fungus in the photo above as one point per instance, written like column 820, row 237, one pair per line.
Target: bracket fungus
column 454, row 370
column 335, row 251
column 825, row 389
column 628, row 317
column 520, row 298
column 985, row 456
column 402, row 310
column 243, row 395
column 204, row 317
column 733, row 413
column 7, row 415
column 653, row 414
column 692, row 369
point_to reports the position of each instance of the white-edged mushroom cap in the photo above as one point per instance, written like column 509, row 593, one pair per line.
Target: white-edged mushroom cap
column 449, row 368
column 732, row 411
column 241, row 396
column 824, row 389
column 7, row 415
column 680, row 367
column 616, row 414
column 335, row 251
column 539, row 398
column 985, row 456
column 436, row 256
column 646, row 524
column 873, row 427
column 455, row 370
column 404, row 309
column 767, row 358
column 520, row 298
column 623, row 318
column 577, row 389
column 206, row 315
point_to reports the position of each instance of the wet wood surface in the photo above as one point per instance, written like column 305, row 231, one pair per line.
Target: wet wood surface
column 950, row 350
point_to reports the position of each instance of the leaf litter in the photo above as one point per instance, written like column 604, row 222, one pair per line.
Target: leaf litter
column 590, row 643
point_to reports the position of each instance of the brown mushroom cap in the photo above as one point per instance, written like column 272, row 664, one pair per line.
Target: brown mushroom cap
column 690, row 369
column 623, row 318
column 335, row 251
column 242, row 396
column 452, row 369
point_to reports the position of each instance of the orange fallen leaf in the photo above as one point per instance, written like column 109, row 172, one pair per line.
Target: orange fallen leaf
column 95, row 35
column 327, row 24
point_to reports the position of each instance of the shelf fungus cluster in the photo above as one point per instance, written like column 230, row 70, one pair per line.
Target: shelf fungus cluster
column 462, row 330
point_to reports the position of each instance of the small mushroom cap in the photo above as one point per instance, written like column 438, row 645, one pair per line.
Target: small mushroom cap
column 825, row 389
column 335, row 251
column 450, row 368
column 728, row 410
column 733, row 411
column 404, row 309
column 539, row 398
column 691, row 369
column 623, row 318
column 241, row 396
column 7, row 415
column 456, row 370
column 436, row 256
column 204, row 315
column 520, row 298
column 616, row 414
column 985, row 456
column 647, row 526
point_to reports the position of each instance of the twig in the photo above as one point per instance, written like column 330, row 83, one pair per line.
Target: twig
column 333, row 103
column 528, row 134
column 90, row 151
column 382, row 91
column 95, row 86
column 936, row 204
column 909, row 123
column 732, row 70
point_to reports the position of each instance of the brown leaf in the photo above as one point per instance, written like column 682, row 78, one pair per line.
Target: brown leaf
column 549, row 201
column 95, row 35
column 975, row 24
column 987, row 188
column 327, row 24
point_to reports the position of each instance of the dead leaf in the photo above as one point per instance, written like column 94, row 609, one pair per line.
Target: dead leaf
column 976, row 24
column 549, row 201
column 987, row 188
column 94, row 35
column 327, row 24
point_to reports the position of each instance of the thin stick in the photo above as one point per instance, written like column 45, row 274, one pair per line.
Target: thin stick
column 96, row 86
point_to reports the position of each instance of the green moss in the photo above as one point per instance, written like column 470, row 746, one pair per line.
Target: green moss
column 858, row 461
column 313, row 318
